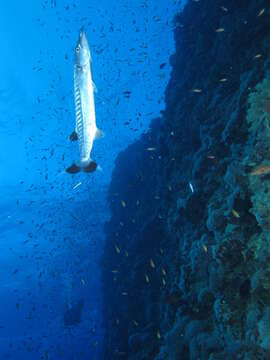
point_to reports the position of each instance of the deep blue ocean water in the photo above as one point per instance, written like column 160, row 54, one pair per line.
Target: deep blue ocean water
column 52, row 223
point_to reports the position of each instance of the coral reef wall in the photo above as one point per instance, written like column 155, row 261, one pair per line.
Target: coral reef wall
column 186, row 270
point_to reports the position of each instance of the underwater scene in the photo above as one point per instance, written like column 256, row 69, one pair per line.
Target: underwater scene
column 135, row 180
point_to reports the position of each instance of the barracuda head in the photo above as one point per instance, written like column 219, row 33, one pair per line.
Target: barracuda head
column 82, row 52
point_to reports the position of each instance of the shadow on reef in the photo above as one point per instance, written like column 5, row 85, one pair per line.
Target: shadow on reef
column 186, row 271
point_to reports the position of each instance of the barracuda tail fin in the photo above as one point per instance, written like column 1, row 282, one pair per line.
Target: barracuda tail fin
column 88, row 168
column 92, row 166
column 73, row 169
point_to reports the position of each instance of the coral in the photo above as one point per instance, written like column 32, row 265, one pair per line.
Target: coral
column 264, row 330
column 258, row 106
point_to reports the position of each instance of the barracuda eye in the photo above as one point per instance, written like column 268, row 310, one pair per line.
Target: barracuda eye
column 77, row 49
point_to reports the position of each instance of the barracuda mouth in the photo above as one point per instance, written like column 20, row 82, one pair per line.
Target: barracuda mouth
column 83, row 43
column 82, row 52
column 82, row 31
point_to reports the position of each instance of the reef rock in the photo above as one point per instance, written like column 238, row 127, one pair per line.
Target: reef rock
column 186, row 274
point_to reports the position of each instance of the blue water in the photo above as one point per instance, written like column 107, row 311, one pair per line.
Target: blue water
column 52, row 223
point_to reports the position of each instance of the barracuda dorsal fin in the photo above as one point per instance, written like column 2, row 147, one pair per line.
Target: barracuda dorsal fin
column 99, row 134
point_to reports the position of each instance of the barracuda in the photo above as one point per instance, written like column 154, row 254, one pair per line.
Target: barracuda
column 86, row 130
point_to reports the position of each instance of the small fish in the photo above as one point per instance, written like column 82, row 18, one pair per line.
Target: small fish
column 117, row 249
column 204, row 247
column 158, row 334
column 124, row 293
column 147, row 278
column 152, row 264
column 123, row 203
column 223, row 80
column 163, row 281
column 224, row 8
column 261, row 170
column 257, row 56
column 191, row 187
column 151, row 149
column 137, row 202
column 114, row 271
column 163, row 271
column 135, row 323
column 211, row 157
column 261, row 12
column 197, row 90
column 82, row 282
column 126, row 253
column 77, row 185
column 235, row 214
column 219, row 30
column 161, row 251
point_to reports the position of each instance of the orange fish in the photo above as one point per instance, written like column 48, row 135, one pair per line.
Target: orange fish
column 261, row 170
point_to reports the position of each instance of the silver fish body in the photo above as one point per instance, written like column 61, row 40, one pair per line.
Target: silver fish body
column 86, row 130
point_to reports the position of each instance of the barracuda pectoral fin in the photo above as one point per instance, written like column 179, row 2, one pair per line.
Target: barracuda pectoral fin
column 73, row 136
column 99, row 134
column 94, row 87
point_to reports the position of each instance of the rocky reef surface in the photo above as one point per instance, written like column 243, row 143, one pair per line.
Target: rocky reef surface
column 186, row 265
